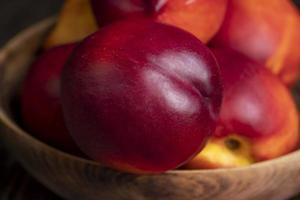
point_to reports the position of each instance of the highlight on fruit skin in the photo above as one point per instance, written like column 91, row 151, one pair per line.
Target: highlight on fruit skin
column 75, row 22
column 144, row 101
column 258, row 119
column 266, row 31
column 202, row 18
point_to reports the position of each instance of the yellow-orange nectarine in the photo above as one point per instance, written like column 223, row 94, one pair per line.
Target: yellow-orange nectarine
column 264, row 30
column 75, row 22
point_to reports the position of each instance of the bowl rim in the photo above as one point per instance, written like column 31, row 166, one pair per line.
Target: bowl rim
column 9, row 123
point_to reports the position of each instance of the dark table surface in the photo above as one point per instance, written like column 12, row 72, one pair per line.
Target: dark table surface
column 15, row 15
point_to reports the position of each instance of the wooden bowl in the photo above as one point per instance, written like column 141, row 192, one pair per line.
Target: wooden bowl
column 77, row 178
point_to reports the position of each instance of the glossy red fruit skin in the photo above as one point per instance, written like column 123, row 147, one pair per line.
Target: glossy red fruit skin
column 110, row 11
column 202, row 18
column 256, row 105
column 40, row 99
column 241, row 80
column 141, row 97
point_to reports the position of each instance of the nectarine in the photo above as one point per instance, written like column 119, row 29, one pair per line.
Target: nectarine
column 264, row 30
column 140, row 96
column 40, row 99
column 75, row 22
column 203, row 18
column 258, row 119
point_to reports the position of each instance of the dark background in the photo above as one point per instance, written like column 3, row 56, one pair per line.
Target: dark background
column 18, row 14
column 15, row 15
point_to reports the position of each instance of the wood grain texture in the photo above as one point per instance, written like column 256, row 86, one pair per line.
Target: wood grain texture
column 17, row 184
column 76, row 178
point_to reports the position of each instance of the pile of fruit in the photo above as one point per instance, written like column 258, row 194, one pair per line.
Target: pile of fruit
column 147, row 86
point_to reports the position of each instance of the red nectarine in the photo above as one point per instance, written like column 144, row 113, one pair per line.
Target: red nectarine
column 40, row 99
column 258, row 118
column 141, row 96
column 203, row 18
